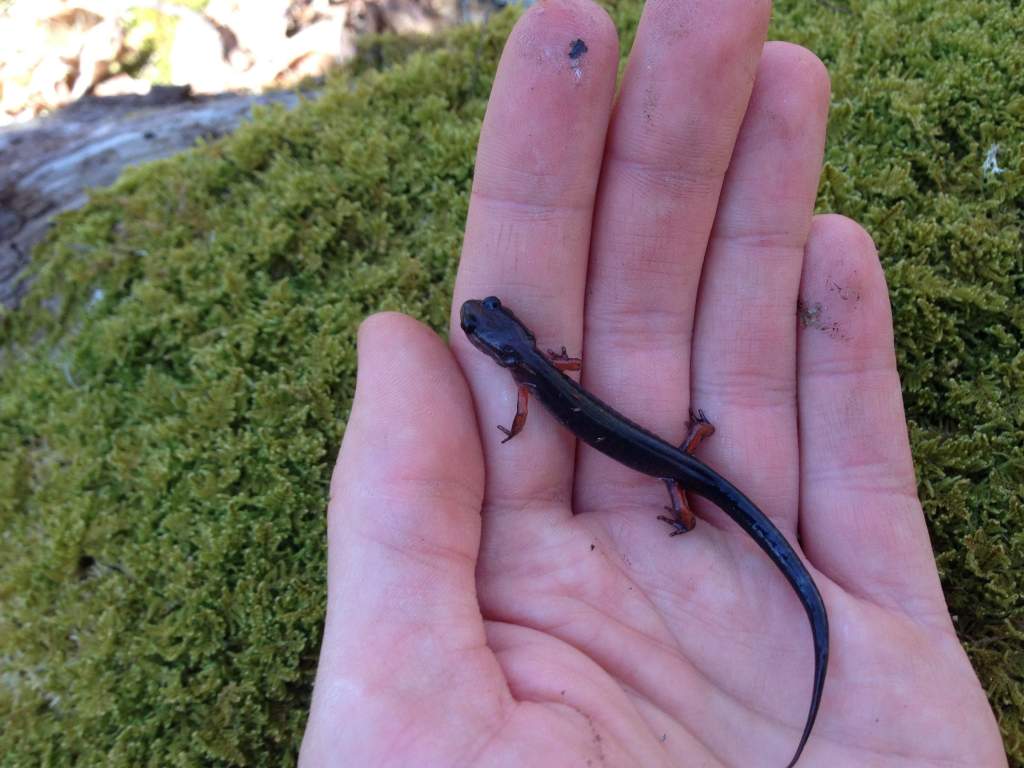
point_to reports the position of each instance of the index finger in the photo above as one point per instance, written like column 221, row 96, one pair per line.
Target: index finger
column 528, row 231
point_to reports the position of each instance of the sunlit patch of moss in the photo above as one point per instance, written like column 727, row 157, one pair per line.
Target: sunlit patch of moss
column 166, row 439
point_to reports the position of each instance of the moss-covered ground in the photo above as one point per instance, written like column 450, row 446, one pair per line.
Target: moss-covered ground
column 166, row 437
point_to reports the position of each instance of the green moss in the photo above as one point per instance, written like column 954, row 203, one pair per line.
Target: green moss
column 166, row 440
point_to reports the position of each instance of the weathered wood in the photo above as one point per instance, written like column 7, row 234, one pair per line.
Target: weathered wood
column 48, row 165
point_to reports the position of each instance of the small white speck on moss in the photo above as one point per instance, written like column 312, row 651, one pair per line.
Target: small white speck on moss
column 66, row 369
column 991, row 164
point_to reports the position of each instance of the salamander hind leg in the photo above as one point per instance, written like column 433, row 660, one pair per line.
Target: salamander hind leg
column 683, row 520
column 699, row 428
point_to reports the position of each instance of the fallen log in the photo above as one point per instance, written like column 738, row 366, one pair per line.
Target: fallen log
column 48, row 165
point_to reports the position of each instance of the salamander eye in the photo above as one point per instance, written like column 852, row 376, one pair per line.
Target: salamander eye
column 492, row 302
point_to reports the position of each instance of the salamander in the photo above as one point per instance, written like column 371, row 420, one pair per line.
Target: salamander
column 496, row 331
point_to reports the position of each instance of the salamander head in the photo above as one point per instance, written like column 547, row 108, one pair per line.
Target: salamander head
column 494, row 330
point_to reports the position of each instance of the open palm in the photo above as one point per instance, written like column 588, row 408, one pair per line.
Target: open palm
column 520, row 604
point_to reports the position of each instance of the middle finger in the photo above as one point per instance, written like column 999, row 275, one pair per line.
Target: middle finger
column 683, row 98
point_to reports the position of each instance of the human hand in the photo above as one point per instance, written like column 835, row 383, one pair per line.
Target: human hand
column 520, row 604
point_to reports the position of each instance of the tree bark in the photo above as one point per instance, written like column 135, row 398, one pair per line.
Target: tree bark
column 48, row 165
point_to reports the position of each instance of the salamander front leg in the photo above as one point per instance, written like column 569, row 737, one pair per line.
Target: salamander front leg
column 563, row 362
column 683, row 519
column 520, row 420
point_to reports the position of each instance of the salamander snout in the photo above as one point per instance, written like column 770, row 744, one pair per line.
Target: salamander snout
column 469, row 316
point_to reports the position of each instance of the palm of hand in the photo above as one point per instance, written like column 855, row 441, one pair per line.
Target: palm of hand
column 569, row 628
column 696, row 652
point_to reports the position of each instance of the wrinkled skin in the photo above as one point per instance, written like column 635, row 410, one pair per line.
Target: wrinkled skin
column 519, row 604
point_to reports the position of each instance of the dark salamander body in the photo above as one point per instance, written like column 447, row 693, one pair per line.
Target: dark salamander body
column 494, row 330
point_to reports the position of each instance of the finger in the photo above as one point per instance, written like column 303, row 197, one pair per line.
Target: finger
column 744, row 355
column 860, row 519
column 683, row 98
column 403, row 533
column 528, row 230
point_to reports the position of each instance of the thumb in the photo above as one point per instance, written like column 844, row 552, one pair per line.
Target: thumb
column 403, row 536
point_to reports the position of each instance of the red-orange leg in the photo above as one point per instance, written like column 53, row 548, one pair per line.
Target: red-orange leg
column 563, row 362
column 700, row 428
column 683, row 519
column 520, row 420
